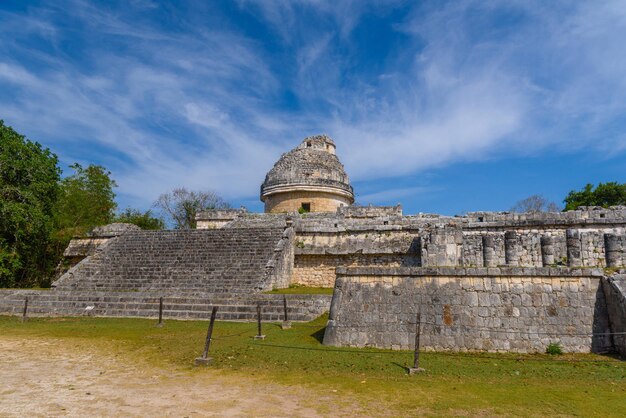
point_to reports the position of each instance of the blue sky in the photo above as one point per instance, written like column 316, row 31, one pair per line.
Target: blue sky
column 446, row 107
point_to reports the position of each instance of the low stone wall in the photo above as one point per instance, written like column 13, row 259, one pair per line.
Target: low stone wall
column 465, row 309
column 196, row 305
column 615, row 291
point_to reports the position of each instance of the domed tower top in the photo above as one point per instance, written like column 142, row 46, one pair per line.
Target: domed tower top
column 319, row 142
column 309, row 178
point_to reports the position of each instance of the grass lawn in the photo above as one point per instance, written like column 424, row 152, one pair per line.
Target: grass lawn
column 454, row 383
column 301, row 290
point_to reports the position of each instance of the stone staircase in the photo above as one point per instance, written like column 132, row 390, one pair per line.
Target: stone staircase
column 192, row 270
column 186, row 261
column 234, row 307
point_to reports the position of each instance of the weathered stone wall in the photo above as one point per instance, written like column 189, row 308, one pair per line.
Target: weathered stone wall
column 615, row 292
column 218, row 218
column 320, row 250
column 292, row 201
column 316, row 270
column 279, row 268
column 82, row 247
column 464, row 309
column 369, row 211
column 483, row 239
column 528, row 240
column 528, row 248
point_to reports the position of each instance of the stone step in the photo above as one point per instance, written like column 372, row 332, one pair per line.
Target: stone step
column 238, row 307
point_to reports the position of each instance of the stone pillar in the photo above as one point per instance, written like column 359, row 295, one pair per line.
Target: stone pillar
column 510, row 248
column 489, row 251
column 613, row 250
column 547, row 250
column 574, row 257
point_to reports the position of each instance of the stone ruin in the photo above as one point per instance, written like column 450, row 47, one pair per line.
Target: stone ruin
column 493, row 281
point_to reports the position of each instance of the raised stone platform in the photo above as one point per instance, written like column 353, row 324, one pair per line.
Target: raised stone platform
column 236, row 307
column 469, row 309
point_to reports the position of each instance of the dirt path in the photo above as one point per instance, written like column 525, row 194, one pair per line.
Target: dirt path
column 48, row 377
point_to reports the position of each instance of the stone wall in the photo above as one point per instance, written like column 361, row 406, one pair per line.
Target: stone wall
column 369, row 211
column 217, row 218
column 320, row 250
column 292, row 201
column 279, row 269
column 314, row 270
column 575, row 238
column 615, row 292
column 465, row 309
column 539, row 248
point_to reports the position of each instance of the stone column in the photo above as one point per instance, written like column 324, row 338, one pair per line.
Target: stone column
column 574, row 257
column 489, row 251
column 510, row 248
column 613, row 250
column 547, row 250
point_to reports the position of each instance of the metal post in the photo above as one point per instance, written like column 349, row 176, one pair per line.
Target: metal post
column 286, row 322
column 259, row 335
column 205, row 360
column 160, row 324
column 24, row 317
column 416, row 355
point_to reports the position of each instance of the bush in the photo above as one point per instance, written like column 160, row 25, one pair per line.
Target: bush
column 554, row 349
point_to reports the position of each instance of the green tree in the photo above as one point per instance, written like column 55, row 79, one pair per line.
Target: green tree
column 86, row 200
column 605, row 195
column 29, row 186
column 144, row 220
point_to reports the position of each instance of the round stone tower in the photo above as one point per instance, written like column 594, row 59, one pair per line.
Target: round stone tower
column 309, row 178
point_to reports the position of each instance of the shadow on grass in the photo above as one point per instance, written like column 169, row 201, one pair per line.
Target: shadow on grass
column 404, row 367
column 319, row 335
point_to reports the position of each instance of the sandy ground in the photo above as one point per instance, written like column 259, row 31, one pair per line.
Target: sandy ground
column 48, row 377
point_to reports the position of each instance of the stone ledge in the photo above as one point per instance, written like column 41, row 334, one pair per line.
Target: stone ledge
column 470, row 271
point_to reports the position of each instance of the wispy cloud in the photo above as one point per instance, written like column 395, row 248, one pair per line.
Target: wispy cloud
column 169, row 96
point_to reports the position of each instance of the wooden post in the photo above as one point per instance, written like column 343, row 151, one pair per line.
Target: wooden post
column 286, row 322
column 24, row 317
column 259, row 335
column 205, row 360
column 416, row 354
column 160, row 324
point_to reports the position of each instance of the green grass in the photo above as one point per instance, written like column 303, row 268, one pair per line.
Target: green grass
column 301, row 290
column 454, row 383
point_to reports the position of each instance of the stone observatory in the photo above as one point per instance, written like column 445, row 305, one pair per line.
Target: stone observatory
column 309, row 178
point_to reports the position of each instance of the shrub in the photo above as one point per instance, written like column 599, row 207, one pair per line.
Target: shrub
column 554, row 349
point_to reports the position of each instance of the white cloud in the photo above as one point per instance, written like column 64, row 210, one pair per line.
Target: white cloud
column 205, row 107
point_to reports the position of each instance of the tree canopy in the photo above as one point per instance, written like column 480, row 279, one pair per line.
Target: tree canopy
column 144, row 220
column 605, row 195
column 29, row 186
column 86, row 200
column 180, row 205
